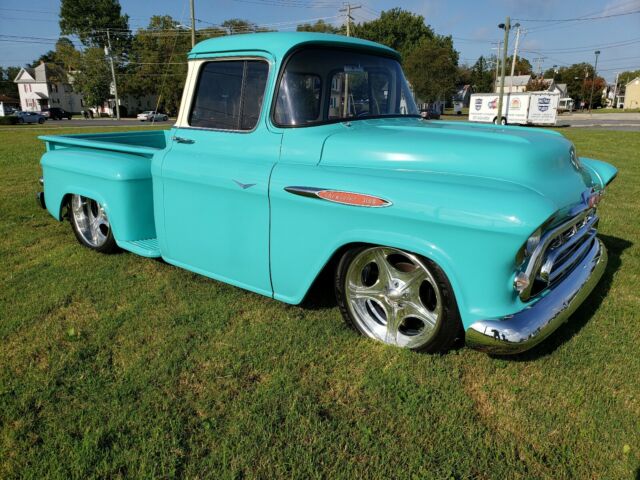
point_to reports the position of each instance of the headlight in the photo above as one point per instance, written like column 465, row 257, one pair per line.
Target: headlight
column 574, row 159
column 529, row 247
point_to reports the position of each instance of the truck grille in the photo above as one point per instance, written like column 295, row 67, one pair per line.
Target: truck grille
column 565, row 247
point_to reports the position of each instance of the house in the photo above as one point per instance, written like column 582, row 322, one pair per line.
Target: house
column 515, row 84
column 632, row 94
column 46, row 86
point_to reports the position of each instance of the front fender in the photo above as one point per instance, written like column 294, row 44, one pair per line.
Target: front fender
column 602, row 173
column 471, row 227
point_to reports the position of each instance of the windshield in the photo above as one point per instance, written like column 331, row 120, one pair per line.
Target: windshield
column 322, row 85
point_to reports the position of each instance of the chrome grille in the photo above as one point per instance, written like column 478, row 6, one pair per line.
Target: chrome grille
column 560, row 249
column 566, row 248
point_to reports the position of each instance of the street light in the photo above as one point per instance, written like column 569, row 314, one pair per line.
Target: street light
column 593, row 80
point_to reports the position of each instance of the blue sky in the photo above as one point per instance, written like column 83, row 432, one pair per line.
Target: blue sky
column 473, row 24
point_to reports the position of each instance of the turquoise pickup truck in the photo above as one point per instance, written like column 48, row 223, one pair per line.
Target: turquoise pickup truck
column 298, row 154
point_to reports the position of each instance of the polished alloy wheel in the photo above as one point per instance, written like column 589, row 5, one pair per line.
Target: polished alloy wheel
column 90, row 221
column 393, row 297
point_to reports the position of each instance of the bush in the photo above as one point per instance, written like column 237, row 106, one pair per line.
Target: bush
column 10, row 120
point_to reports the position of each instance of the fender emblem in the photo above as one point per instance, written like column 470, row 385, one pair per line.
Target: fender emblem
column 340, row 196
column 244, row 186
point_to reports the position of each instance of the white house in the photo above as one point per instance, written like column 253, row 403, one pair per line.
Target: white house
column 515, row 84
column 46, row 86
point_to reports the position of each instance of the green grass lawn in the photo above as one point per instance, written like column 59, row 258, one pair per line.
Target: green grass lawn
column 120, row 366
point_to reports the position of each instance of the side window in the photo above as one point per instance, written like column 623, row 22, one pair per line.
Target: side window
column 229, row 95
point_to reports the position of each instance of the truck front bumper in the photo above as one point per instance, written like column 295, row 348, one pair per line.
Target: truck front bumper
column 526, row 328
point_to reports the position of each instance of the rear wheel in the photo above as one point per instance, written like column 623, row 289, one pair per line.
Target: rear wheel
column 91, row 225
column 397, row 298
column 41, row 121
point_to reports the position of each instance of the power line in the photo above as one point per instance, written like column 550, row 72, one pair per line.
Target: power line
column 577, row 19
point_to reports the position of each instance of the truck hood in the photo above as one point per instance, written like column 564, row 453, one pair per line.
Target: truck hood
column 539, row 160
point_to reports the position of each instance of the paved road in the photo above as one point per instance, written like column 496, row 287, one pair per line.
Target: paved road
column 607, row 121
column 96, row 122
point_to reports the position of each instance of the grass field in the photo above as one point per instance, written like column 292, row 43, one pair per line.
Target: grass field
column 124, row 367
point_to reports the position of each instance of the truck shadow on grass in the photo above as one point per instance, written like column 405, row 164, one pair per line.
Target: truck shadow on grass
column 615, row 248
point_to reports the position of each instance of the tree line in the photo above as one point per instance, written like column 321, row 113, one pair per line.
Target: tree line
column 153, row 59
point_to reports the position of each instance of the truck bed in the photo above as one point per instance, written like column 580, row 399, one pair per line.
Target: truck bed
column 145, row 143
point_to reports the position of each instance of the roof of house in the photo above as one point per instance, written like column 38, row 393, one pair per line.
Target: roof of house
column 516, row 80
column 279, row 43
column 39, row 74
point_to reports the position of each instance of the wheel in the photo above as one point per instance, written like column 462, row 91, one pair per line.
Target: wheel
column 41, row 121
column 397, row 298
column 503, row 121
column 91, row 225
column 165, row 118
column 21, row 121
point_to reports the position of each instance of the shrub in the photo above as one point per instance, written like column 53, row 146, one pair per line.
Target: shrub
column 10, row 120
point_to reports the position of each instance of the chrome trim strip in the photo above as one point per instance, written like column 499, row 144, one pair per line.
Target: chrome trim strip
column 528, row 327
column 313, row 192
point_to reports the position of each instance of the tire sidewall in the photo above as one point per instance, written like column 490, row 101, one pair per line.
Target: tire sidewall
column 109, row 246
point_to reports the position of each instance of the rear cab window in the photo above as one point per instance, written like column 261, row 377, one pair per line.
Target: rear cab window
column 229, row 95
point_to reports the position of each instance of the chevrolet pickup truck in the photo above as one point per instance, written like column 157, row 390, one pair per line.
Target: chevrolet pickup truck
column 295, row 154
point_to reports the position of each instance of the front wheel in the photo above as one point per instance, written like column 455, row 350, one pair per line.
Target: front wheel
column 41, row 121
column 91, row 225
column 165, row 118
column 397, row 298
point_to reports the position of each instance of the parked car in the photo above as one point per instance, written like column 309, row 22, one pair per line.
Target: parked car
column 56, row 113
column 29, row 117
column 152, row 116
column 430, row 231
column 430, row 111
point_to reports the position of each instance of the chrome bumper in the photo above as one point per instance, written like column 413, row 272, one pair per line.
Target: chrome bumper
column 526, row 328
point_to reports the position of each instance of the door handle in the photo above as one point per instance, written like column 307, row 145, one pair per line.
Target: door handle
column 182, row 140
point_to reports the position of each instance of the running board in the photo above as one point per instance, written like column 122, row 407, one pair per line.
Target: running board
column 147, row 248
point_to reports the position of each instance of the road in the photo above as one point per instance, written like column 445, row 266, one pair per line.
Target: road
column 602, row 121
column 606, row 121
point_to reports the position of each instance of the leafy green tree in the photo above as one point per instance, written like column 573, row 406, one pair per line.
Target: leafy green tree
column 93, row 79
column 158, row 61
column 238, row 25
column 626, row 77
column 320, row 26
column 523, row 66
column 396, row 28
column 89, row 20
column 482, row 75
column 432, row 67
column 579, row 78
column 7, row 86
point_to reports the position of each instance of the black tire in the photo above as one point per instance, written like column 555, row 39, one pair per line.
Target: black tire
column 447, row 331
column 108, row 247
column 41, row 121
column 20, row 121
column 165, row 118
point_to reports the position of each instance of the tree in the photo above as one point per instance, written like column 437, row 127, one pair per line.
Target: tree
column 523, row 66
column 158, row 61
column 238, row 25
column 626, row 77
column 482, row 74
column 578, row 78
column 431, row 67
column 90, row 19
column 7, row 86
column 63, row 59
column 396, row 28
column 93, row 80
column 320, row 26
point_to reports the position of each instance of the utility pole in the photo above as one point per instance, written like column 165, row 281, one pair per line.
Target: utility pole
column 506, row 26
column 593, row 80
column 193, row 24
column 515, row 53
column 347, row 11
column 615, row 91
column 498, row 54
column 584, row 85
column 113, row 73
